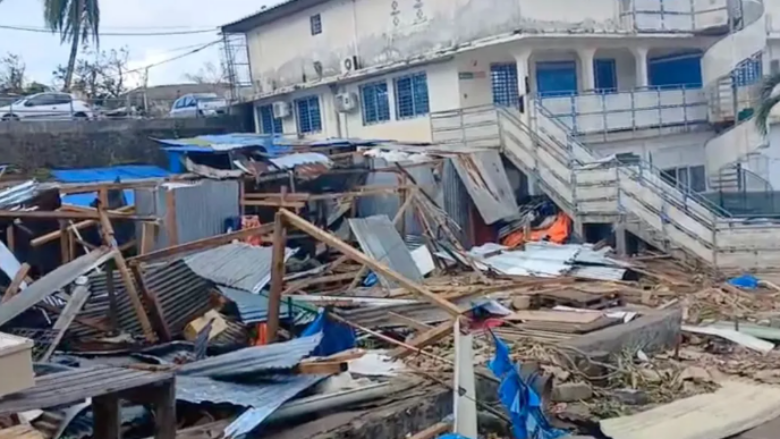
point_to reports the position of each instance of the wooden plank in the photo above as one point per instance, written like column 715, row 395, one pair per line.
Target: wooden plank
column 49, row 237
column 107, row 231
column 202, row 244
column 77, row 300
column 155, row 309
column 277, row 277
column 321, row 368
column 60, row 215
column 410, row 322
column 360, row 257
column 16, row 282
column 64, row 244
column 170, row 218
column 424, row 339
column 553, row 316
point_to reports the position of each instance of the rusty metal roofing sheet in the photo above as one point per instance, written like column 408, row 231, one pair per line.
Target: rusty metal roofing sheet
column 52, row 282
column 237, row 265
column 379, row 239
column 254, row 360
column 75, row 385
column 485, row 179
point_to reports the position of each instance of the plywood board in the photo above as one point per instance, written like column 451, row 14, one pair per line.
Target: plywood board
column 736, row 407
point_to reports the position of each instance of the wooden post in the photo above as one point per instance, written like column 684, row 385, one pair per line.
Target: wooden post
column 277, row 277
column 107, row 231
column 164, row 399
column 170, row 218
column 106, row 419
column 64, row 242
column 10, row 238
column 379, row 268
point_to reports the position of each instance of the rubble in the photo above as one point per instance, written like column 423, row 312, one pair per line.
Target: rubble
column 317, row 298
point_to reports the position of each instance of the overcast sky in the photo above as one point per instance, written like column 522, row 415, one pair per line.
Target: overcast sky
column 42, row 52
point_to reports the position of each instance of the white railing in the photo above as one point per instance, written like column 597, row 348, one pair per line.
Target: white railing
column 592, row 113
column 670, row 16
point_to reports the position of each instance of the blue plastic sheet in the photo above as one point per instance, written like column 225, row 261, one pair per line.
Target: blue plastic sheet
column 746, row 282
column 336, row 337
column 453, row 436
column 522, row 402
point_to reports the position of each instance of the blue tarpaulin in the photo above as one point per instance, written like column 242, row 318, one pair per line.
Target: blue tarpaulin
column 522, row 402
column 105, row 175
column 746, row 282
column 336, row 337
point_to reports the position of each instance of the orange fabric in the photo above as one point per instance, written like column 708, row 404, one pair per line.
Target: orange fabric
column 557, row 232
column 261, row 338
column 247, row 222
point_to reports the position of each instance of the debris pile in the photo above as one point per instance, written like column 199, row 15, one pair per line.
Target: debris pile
column 353, row 289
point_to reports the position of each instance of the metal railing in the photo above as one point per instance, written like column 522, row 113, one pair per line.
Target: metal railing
column 670, row 16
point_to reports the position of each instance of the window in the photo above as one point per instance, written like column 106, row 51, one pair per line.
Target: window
column 411, row 95
column 308, row 113
column 556, row 78
column 687, row 177
column 316, row 24
column 42, row 99
column 678, row 70
column 268, row 123
column 376, row 104
column 748, row 72
column 503, row 79
column 605, row 74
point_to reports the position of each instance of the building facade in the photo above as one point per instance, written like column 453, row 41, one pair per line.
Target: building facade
column 674, row 82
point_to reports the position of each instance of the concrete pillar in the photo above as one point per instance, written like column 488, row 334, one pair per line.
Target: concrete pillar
column 587, row 56
column 640, row 59
column 522, row 58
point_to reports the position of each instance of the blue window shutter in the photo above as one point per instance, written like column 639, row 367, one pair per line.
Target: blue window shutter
column 503, row 79
column 375, row 102
column 411, row 95
column 674, row 71
column 268, row 123
column 605, row 73
column 556, row 77
column 308, row 112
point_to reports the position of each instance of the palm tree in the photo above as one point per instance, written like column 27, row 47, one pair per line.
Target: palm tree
column 76, row 21
column 768, row 100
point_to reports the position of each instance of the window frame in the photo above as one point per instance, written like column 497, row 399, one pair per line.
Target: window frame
column 315, row 24
column 504, row 84
column 418, row 109
column 274, row 120
column 298, row 120
column 382, row 114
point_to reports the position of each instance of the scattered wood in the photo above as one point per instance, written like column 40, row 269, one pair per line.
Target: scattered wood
column 321, row 368
column 49, row 237
column 77, row 300
column 277, row 276
column 433, row 335
column 16, row 282
column 60, row 215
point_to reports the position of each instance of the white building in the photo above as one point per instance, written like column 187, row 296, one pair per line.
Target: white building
column 557, row 84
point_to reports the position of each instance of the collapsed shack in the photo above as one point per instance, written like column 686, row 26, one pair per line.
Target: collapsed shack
column 349, row 289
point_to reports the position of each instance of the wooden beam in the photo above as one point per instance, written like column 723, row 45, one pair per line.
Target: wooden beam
column 107, row 420
column 107, row 231
column 147, row 238
column 64, row 243
column 358, row 256
column 96, row 187
column 164, row 401
column 170, row 218
column 277, row 277
column 424, row 339
column 16, row 282
column 202, row 244
column 155, row 309
column 321, row 368
column 433, row 431
column 77, row 300
column 409, row 322
column 60, row 215
column 43, row 239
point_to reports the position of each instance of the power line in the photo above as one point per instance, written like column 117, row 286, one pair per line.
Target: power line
column 174, row 58
column 115, row 34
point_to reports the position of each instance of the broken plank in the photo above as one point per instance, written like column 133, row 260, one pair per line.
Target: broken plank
column 321, row 368
column 433, row 431
column 16, row 282
column 277, row 277
column 424, row 339
column 202, row 244
column 59, row 215
column 77, row 300
column 49, row 237
column 379, row 268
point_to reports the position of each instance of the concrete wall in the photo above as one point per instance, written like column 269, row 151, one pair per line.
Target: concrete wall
column 378, row 32
column 28, row 146
column 668, row 151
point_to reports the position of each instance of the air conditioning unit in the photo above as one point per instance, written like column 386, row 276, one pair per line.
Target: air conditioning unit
column 346, row 102
column 349, row 64
column 281, row 109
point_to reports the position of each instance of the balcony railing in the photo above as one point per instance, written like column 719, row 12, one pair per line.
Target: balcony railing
column 600, row 113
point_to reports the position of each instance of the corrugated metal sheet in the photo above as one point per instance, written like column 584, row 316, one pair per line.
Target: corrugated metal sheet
column 236, row 265
column 224, row 143
column 202, row 208
column 254, row 360
column 485, row 179
column 457, row 202
column 379, row 239
column 275, row 396
column 253, row 308
column 292, row 160
column 52, row 282
column 14, row 195
column 379, row 316
column 182, row 294
column 198, row 390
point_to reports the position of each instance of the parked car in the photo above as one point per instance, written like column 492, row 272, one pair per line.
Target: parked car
column 49, row 105
column 199, row 105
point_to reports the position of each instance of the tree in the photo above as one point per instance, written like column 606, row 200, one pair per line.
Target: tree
column 769, row 98
column 77, row 22
column 98, row 75
column 208, row 74
column 12, row 72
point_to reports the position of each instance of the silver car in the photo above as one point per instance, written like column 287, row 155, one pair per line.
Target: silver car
column 199, row 105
